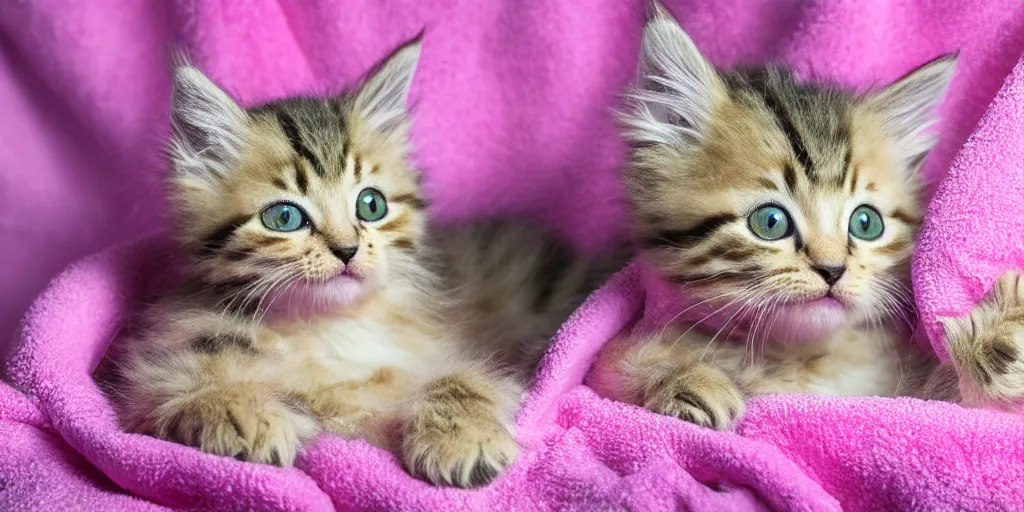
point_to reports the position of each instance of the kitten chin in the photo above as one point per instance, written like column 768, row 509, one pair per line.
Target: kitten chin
column 804, row 322
column 308, row 299
column 809, row 321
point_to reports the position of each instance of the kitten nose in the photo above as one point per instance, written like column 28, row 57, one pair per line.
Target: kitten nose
column 830, row 273
column 345, row 254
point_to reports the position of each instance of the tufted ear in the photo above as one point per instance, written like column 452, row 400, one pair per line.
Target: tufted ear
column 381, row 102
column 908, row 106
column 208, row 126
column 677, row 89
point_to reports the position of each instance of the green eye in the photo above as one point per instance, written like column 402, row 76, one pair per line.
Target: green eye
column 284, row 217
column 866, row 223
column 770, row 223
column 371, row 205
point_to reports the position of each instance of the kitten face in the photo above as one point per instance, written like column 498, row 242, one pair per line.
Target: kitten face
column 791, row 206
column 314, row 199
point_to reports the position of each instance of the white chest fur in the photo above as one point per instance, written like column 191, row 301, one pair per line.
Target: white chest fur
column 354, row 348
column 853, row 363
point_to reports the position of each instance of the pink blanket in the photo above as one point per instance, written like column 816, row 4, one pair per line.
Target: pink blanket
column 513, row 117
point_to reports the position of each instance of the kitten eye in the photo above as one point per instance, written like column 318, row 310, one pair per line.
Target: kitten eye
column 284, row 217
column 371, row 205
column 866, row 223
column 770, row 223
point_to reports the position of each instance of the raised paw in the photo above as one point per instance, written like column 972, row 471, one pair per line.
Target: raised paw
column 457, row 438
column 700, row 394
column 987, row 346
column 237, row 423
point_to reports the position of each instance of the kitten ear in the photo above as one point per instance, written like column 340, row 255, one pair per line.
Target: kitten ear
column 678, row 88
column 381, row 102
column 908, row 106
column 208, row 125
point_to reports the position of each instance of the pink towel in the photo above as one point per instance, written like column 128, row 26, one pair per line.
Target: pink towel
column 974, row 229
column 513, row 103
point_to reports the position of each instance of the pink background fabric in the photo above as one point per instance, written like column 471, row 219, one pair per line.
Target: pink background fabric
column 514, row 97
column 514, row 107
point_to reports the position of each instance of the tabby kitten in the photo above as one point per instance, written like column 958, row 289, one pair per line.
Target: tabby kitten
column 787, row 212
column 316, row 298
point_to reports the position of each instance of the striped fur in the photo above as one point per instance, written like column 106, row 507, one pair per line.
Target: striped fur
column 812, row 311
column 517, row 283
column 381, row 330
column 987, row 346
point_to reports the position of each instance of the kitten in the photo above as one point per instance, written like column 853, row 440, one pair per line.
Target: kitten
column 317, row 298
column 787, row 212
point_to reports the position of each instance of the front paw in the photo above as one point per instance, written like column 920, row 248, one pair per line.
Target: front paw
column 987, row 346
column 239, row 423
column 456, row 438
column 701, row 394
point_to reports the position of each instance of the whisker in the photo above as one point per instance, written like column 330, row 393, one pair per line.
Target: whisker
column 248, row 293
column 771, row 327
column 261, row 311
column 742, row 294
column 705, row 301
column 724, row 325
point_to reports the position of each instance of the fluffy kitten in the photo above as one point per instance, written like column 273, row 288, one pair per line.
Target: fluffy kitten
column 787, row 212
column 317, row 299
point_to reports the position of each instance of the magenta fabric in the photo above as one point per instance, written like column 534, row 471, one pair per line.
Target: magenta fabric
column 63, row 450
column 514, row 104
column 974, row 229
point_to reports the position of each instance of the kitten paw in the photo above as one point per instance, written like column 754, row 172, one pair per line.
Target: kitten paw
column 238, row 423
column 457, row 438
column 987, row 346
column 701, row 394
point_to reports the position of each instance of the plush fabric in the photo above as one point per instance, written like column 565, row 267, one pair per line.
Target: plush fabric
column 974, row 229
column 513, row 103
